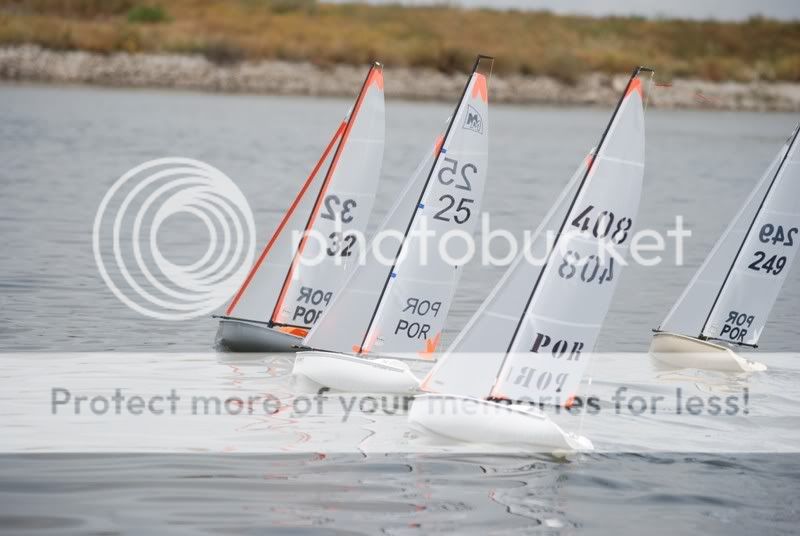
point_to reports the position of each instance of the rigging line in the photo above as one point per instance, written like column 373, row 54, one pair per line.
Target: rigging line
column 419, row 200
column 585, row 406
column 287, row 215
column 749, row 229
column 566, row 216
column 732, row 342
column 318, row 202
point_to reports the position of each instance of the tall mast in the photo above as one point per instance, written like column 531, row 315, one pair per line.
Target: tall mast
column 746, row 235
column 318, row 202
column 419, row 200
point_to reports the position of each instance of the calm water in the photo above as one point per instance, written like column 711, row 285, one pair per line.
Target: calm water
column 62, row 148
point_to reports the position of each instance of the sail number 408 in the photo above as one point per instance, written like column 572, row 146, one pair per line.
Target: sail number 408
column 603, row 224
column 591, row 268
column 451, row 175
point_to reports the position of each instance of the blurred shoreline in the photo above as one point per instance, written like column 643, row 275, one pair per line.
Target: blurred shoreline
column 30, row 63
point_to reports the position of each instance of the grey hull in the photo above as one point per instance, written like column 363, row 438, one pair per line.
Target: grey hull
column 243, row 336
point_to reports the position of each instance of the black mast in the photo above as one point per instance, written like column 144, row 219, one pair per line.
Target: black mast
column 339, row 147
column 793, row 139
column 634, row 74
column 419, row 200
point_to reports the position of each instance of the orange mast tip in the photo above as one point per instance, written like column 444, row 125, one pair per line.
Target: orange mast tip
column 635, row 85
column 347, row 126
column 479, row 89
column 636, row 82
column 376, row 78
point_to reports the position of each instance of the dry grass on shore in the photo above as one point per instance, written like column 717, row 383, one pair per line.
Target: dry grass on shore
column 444, row 38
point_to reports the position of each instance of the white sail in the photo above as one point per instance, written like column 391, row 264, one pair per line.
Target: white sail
column 406, row 309
column 296, row 277
column 470, row 365
column 342, row 326
column 690, row 311
column 259, row 293
column 411, row 315
column 759, row 269
column 569, row 302
column 497, row 338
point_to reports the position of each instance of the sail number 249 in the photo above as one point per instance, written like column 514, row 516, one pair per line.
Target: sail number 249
column 776, row 235
column 457, row 206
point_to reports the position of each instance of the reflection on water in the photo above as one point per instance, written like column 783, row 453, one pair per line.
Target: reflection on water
column 63, row 147
column 397, row 494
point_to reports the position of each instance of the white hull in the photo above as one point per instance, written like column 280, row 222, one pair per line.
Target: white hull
column 342, row 372
column 480, row 421
column 688, row 352
column 237, row 335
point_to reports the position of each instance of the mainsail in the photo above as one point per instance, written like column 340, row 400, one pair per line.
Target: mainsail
column 733, row 291
column 295, row 277
column 400, row 306
column 527, row 341
column 470, row 365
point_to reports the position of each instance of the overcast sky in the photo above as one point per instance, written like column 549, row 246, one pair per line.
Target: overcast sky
column 695, row 9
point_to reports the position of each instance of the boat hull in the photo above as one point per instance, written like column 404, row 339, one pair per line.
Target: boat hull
column 475, row 420
column 237, row 335
column 688, row 352
column 342, row 372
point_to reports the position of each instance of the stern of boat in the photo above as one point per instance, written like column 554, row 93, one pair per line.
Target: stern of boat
column 237, row 335
column 474, row 420
column 342, row 372
column 682, row 351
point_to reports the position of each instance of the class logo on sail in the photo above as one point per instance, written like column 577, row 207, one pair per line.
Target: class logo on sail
column 473, row 120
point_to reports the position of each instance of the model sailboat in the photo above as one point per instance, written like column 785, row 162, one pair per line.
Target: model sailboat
column 727, row 303
column 399, row 307
column 528, row 341
column 293, row 281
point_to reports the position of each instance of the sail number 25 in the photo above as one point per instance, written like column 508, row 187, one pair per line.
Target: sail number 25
column 451, row 175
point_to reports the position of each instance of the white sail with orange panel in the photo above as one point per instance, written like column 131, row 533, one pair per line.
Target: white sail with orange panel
column 353, row 305
column 287, row 287
column 469, row 366
column 256, row 298
column 543, row 315
column 569, row 300
column 527, row 343
column 405, row 312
